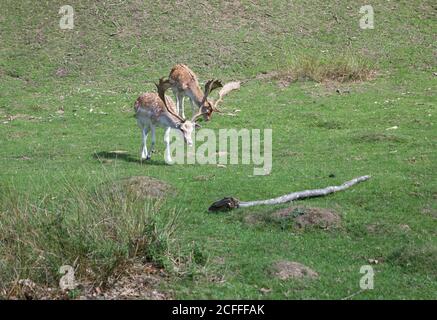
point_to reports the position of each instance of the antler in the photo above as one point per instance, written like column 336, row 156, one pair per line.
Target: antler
column 209, row 86
column 162, row 87
column 197, row 115
column 228, row 87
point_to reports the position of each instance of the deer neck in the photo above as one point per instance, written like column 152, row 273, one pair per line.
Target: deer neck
column 196, row 94
column 172, row 120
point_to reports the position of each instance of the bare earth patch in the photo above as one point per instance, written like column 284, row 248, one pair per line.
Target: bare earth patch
column 283, row 79
column 139, row 281
column 142, row 187
column 17, row 135
column 300, row 217
column 267, row 75
column 307, row 217
column 428, row 210
column 20, row 116
column 61, row 72
column 289, row 269
column 26, row 289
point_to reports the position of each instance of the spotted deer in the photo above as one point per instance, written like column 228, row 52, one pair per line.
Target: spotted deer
column 156, row 109
column 184, row 82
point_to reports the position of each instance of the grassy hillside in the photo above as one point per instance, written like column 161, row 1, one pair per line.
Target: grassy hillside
column 67, row 96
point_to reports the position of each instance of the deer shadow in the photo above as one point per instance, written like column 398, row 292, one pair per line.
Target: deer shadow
column 112, row 155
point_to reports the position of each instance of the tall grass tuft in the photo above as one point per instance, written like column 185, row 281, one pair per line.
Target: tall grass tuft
column 341, row 68
column 97, row 232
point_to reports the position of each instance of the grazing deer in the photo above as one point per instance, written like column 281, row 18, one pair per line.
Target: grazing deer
column 183, row 82
column 157, row 109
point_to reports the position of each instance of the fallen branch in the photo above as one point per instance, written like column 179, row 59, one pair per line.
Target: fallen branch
column 230, row 203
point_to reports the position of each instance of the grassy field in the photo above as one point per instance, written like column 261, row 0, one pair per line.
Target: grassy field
column 66, row 102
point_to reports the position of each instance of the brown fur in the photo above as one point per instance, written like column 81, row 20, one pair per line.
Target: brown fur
column 182, row 78
column 151, row 100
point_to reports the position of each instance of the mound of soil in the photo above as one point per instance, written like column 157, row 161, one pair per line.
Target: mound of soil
column 304, row 217
column 319, row 217
column 290, row 269
column 142, row 187
column 301, row 217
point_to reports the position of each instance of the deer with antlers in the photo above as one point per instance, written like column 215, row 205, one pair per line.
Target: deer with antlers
column 184, row 82
column 157, row 109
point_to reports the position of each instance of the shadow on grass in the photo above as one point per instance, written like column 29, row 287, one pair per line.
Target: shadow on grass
column 104, row 156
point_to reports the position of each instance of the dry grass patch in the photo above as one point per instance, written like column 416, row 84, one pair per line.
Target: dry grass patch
column 339, row 68
column 285, row 270
column 100, row 234
column 141, row 187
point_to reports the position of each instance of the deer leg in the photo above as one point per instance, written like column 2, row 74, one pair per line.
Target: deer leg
column 152, row 148
column 194, row 108
column 176, row 93
column 168, row 158
column 144, row 154
column 181, row 104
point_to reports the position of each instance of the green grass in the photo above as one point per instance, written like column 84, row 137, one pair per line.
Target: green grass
column 116, row 46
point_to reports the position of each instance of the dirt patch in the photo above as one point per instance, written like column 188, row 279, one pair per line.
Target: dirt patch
column 20, row 116
column 141, row 187
column 61, row 72
column 267, row 75
column 322, row 218
column 296, row 218
column 307, row 217
column 26, row 289
column 16, row 135
column 138, row 281
column 283, row 79
column 289, row 269
column 429, row 211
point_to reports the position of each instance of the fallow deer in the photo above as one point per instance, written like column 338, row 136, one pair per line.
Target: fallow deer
column 157, row 109
column 183, row 82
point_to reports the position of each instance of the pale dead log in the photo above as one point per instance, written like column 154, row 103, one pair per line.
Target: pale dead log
column 230, row 203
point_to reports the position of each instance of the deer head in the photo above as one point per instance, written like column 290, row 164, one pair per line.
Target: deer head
column 208, row 106
column 211, row 105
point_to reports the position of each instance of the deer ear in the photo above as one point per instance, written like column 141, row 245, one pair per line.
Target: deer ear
column 196, row 125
